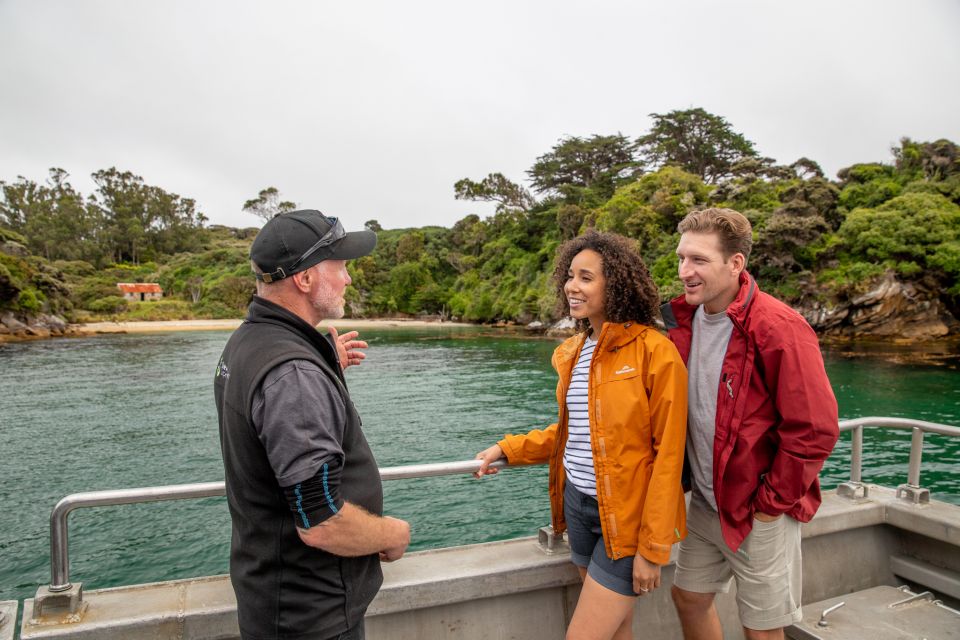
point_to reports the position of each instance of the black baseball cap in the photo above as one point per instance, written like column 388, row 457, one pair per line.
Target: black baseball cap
column 295, row 241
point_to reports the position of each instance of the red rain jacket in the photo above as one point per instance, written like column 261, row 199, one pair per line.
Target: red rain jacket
column 776, row 412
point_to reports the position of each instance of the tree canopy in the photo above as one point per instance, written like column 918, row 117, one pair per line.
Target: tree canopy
column 267, row 204
column 696, row 141
column 495, row 188
column 125, row 220
column 814, row 236
column 584, row 170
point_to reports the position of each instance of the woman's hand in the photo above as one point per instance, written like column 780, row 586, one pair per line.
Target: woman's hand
column 646, row 575
column 486, row 457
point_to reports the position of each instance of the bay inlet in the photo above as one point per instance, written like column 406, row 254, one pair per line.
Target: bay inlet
column 121, row 411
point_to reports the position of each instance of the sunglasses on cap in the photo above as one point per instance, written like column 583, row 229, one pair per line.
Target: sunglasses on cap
column 333, row 234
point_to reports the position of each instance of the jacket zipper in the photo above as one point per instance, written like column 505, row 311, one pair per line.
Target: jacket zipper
column 562, row 441
column 728, row 379
column 604, row 478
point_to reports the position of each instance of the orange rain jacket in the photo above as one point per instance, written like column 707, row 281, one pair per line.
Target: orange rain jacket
column 637, row 401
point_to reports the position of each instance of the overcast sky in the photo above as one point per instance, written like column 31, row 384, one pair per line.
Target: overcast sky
column 372, row 110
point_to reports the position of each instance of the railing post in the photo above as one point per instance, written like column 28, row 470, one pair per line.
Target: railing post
column 856, row 455
column 916, row 453
column 912, row 491
column 59, row 549
column 59, row 595
column 854, row 489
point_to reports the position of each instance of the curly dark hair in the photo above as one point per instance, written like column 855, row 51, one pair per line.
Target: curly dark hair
column 630, row 293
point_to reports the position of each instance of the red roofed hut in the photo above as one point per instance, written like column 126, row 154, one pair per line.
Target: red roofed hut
column 140, row 290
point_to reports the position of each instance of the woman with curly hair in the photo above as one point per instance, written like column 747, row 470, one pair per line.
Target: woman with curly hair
column 616, row 452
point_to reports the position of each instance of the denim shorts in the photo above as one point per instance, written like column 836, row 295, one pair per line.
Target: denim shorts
column 587, row 550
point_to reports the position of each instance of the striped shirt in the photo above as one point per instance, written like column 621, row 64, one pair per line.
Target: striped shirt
column 578, row 456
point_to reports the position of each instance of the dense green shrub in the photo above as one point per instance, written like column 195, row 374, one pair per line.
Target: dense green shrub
column 214, row 309
column 107, row 305
column 30, row 301
column 158, row 310
column 869, row 194
column 664, row 274
column 850, row 278
column 915, row 227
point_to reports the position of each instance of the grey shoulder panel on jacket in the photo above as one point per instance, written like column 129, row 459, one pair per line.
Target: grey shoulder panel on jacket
column 669, row 320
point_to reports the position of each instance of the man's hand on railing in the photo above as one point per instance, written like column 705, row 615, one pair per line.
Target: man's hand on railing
column 485, row 457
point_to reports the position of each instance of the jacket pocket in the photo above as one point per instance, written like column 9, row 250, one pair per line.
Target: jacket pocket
column 623, row 411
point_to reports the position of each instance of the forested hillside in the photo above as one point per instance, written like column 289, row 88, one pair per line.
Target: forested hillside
column 820, row 242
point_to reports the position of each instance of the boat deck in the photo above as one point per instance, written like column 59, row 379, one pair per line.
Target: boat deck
column 878, row 613
column 850, row 546
column 863, row 538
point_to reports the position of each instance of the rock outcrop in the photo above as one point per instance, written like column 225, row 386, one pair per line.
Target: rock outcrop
column 890, row 309
column 29, row 327
column 562, row 328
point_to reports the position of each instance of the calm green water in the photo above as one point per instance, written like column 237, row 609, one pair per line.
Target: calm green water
column 112, row 412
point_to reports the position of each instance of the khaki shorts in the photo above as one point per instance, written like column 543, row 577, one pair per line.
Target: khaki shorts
column 767, row 567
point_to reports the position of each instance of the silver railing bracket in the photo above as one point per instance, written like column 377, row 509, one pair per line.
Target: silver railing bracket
column 853, row 490
column 914, row 494
column 548, row 540
column 66, row 604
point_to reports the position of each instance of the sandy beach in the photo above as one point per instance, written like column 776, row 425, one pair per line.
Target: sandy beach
column 159, row 326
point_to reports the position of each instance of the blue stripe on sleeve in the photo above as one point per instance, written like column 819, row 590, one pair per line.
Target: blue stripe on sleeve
column 303, row 516
column 326, row 491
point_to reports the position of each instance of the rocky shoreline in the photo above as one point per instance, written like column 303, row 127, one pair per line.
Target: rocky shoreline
column 891, row 311
column 38, row 327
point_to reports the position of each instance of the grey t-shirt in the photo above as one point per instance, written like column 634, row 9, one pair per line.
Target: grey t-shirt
column 711, row 333
column 300, row 416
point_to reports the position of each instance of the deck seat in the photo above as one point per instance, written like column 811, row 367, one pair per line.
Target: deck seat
column 940, row 579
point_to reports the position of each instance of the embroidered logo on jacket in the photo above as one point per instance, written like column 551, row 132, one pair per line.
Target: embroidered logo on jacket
column 624, row 369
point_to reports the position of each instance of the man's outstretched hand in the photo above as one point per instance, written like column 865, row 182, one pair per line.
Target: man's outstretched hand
column 348, row 347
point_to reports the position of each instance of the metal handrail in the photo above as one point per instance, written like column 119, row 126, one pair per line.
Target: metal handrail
column 59, row 543
column 59, row 552
column 919, row 427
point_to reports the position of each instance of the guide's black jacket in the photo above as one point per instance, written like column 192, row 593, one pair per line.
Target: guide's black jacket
column 286, row 589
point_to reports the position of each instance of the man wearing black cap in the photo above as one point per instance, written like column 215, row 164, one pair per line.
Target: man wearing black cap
column 302, row 484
